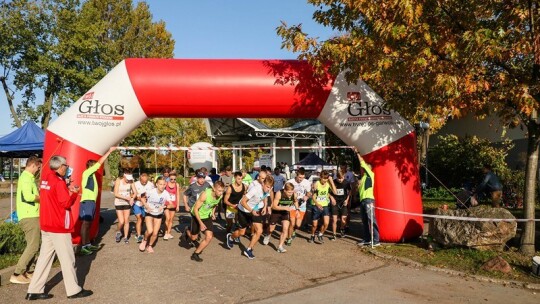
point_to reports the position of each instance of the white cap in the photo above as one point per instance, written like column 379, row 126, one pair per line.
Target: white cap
column 128, row 177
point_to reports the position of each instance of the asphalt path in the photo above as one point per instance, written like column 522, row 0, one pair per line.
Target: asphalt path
column 334, row 272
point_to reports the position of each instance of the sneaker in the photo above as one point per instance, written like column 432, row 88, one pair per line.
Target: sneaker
column 196, row 257
column 342, row 233
column 187, row 238
column 281, row 250
column 288, row 242
column 266, row 239
column 166, row 237
column 149, row 249
column 320, row 238
column 230, row 242
column 118, row 237
column 85, row 251
column 142, row 246
column 249, row 254
column 140, row 238
column 311, row 239
column 29, row 275
column 293, row 235
column 333, row 237
column 126, row 241
column 237, row 240
column 91, row 247
column 19, row 279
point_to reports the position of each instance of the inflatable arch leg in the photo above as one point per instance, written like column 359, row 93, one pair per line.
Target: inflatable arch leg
column 138, row 89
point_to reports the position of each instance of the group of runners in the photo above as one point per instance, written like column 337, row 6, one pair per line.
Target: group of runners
column 254, row 207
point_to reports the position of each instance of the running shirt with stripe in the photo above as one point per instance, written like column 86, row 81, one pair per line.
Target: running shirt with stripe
column 255, row 196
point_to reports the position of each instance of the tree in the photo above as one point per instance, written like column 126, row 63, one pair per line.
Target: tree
column 60, row 48
column 444, row 57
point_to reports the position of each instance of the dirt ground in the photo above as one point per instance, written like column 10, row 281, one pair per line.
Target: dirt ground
column 334, row 272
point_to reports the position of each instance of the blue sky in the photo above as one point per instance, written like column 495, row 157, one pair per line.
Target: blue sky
column 223, row 29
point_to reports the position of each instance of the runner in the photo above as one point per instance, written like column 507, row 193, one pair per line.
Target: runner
column 232, row 198
column 340, row 208
column 154, row 205
column 302, row 188
column 246, row 178
column 172, row 205
column 252, row 210
column 319, row 205
column 124, row 198
column 143, row 185
column 284, row 201
column 202, row 215
column 194, row 190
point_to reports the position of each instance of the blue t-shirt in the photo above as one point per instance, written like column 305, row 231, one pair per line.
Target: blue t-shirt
column 279, row 181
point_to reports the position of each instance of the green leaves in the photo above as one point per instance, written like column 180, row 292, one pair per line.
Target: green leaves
column 57, row 49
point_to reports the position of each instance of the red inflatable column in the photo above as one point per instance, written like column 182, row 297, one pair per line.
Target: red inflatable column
column 98, row 120
column 361, row 118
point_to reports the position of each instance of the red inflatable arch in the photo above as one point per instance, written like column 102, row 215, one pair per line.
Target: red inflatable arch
column 138, row 89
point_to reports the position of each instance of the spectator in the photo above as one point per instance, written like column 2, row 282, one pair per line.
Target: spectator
column 492, row 185
column 367, row 204
column 28, row 214
column 56, row 223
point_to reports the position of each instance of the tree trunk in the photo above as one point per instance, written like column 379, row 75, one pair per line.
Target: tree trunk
column 528, row 234
column 47, row 109
column 9, row 98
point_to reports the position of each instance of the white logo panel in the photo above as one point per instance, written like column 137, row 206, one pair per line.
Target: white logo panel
column 361, row 118
column 104, row 115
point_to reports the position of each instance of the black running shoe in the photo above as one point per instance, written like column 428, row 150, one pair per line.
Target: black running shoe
column 311, row 239
column 196, row 257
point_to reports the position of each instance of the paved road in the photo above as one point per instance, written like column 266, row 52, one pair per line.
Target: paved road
column 335, row 272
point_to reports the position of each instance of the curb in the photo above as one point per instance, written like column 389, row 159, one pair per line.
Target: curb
column 409, row 262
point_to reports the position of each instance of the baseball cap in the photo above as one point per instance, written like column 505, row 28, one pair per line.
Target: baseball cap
column 128, row 177
column 200, row 174
column 319, row 169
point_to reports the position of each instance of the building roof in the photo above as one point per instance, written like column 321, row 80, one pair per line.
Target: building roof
column 235, row 129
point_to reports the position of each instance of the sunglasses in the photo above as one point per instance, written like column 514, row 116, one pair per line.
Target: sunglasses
column 172, row 179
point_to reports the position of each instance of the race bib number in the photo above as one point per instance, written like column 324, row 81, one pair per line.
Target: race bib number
column 321, row 199
column 340, row 191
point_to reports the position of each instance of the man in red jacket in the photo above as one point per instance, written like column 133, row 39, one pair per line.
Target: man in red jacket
column 56, row 224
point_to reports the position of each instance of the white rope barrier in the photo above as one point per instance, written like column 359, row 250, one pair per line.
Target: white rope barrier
column 232, row 148
column 458, row 218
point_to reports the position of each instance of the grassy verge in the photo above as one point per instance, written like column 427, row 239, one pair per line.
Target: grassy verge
column 465, row 260
column 8, row 259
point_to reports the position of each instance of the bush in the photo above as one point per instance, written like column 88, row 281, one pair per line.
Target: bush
column 440, row 193
column 11, row 239
column 456, row 161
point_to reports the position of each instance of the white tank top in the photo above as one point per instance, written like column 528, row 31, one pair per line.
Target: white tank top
column 124, row 189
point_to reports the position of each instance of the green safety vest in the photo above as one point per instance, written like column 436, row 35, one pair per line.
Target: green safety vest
column 26, row 196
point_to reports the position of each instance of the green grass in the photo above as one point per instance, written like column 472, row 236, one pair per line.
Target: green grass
column 465, row 260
